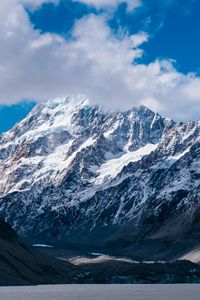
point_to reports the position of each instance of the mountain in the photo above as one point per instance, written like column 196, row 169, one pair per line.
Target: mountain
column 21, row 264
column 124, row 182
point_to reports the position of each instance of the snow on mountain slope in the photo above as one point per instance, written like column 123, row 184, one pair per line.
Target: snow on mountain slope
column 44, row 145
column 73, row 172
column 112, row 167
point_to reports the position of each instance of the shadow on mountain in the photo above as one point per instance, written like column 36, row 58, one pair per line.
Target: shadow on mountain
column 21, row 264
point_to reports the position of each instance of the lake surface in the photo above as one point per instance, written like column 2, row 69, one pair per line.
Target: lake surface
column 102, row 292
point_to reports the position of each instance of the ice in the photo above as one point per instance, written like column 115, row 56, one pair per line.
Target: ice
column 112, row 167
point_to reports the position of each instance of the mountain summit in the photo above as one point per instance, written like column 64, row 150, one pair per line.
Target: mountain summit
column 75, row 174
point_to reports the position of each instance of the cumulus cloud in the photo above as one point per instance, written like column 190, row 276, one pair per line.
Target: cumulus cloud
column 95, row 62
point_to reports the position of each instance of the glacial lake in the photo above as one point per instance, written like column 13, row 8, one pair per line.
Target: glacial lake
column 102, row 292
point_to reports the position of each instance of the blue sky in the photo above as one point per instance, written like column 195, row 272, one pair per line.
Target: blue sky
column 10, row 114
column 149, row 52
column 173, row 26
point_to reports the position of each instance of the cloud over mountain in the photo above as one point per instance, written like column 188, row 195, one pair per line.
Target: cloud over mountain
column 94, row 61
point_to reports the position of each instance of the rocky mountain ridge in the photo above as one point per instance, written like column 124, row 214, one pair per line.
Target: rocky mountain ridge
column 21, row 264
column 75, row 174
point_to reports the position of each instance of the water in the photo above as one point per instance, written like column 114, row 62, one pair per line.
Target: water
column 102, row 292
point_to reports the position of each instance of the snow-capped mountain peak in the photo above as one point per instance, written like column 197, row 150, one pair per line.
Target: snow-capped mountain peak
column 71, row 169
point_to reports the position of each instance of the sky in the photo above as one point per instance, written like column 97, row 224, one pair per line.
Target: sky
column 119, row 53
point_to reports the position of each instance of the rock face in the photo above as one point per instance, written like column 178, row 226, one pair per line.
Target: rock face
column 75, row 174
column 20, row 264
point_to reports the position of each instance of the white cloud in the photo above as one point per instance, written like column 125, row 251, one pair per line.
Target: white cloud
column 36, row 3
column 131, row 4
column 94, row 62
